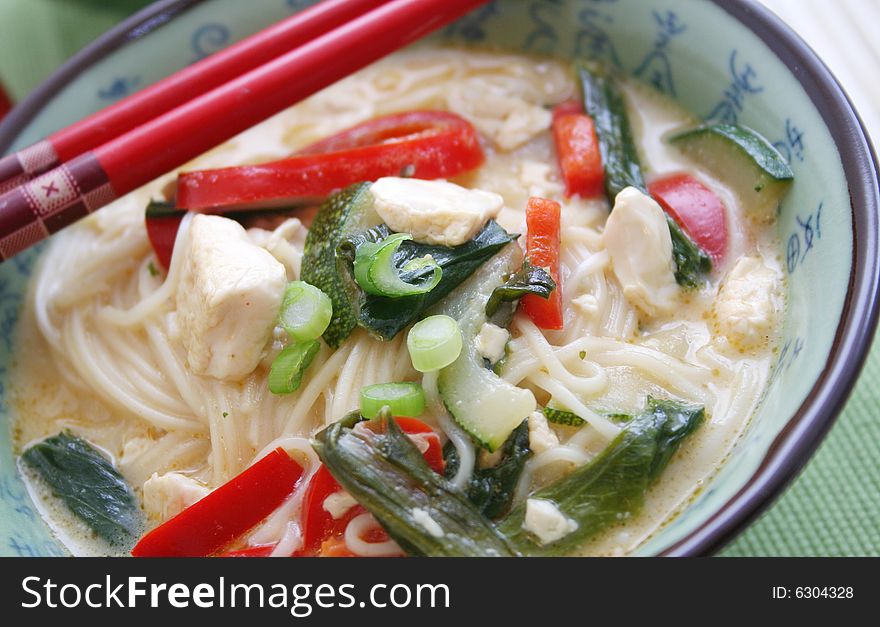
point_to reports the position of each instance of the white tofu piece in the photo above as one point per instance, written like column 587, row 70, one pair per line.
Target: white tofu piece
column 638, row 241
column 434, row 212
column 228, row 298
column 423, row 518
column 285, row 243
column 167, row 495
column 541, row 436
column 338, row 503
column 748, row 304
column 491, row 341
column 546, row 522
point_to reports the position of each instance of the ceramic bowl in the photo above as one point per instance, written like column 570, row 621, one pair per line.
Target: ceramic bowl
column 724, row 60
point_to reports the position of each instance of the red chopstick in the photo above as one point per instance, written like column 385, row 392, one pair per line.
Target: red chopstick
column 48, row 203
column 188, row 83
column 5, row 103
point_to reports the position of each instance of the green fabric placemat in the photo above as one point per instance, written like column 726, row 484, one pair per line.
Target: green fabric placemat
column 832, row 509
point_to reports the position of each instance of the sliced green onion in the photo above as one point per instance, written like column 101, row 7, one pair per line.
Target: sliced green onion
column 286, row 373
column 375, row 272
column 434, row 343
column 305, row 311
column 403, row 399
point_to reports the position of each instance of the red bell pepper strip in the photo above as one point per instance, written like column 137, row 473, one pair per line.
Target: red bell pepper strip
column 423, row 144
column 322, row 534
column 697, row 210
column 572, row 105
column 542, row 249
column 226, row 513
column 162, row 227
column 317, row 523
column 577, row 150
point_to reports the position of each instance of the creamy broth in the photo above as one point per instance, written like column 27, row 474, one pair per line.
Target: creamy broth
column 149, row 422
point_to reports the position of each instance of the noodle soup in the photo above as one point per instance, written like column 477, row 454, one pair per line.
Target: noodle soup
column 179, row 399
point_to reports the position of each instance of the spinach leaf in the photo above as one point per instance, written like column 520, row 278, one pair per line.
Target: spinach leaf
column 612, row 486
column 560, row 416
column 691, row 263
column 385, row 317
column 89, row 485
column 381, row 468
column 491, row 489
column 604, row 103
column 527, row 280
column 384, row 471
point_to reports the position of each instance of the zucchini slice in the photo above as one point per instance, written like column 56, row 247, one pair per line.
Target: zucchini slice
column 742, row 158
column 485, row 405
column 345, row 213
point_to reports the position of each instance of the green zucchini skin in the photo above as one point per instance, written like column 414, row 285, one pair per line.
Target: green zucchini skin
column 345, row 213
column 385, row 472
column 612, row 486
column 482, row 403
column 745, row 160
column 754, row 145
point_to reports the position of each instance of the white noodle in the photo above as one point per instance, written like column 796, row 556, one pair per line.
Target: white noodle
column 463, row 444
column 110, row 349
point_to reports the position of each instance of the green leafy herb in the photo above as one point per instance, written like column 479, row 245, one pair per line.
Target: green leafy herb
column 612, row 486
column 562, row 417
column 604, row 103
column 527, row 280
column 89, row 485
column 385, row 317
column 691, row 263
column 385, row 472
column 491, row 489
column 381, row 468
column 152, row 269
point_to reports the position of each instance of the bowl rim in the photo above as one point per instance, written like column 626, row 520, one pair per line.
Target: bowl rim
column 802, row 434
